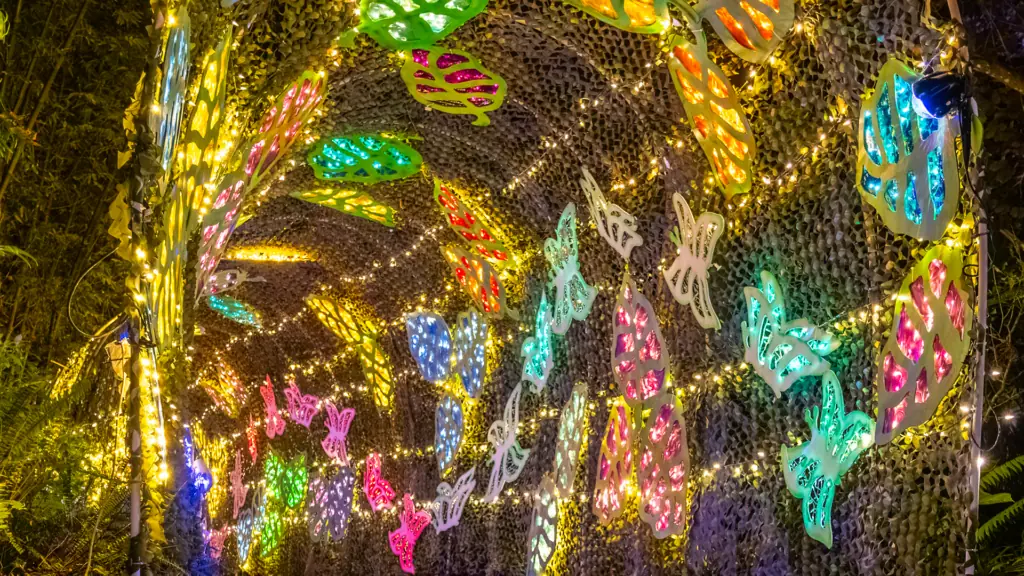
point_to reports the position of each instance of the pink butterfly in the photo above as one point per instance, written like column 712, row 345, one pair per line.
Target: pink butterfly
column 275, row 424
column 378, row 490
column 217, row 542
column 338, row 424
column 238, row 488
column 403, row 540
column 301, row 407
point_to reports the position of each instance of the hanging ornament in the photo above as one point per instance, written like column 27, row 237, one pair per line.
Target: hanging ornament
column 448, row 422
column 238, row 488
column 337, row 424
column 573, row 296
column 275, row 424
column 301, row 407
column 471, row 351
column 615, row 464
column 453, row 81
column 907, row 163
column 639, row 16
column 687, row 278
column 538, row 354
column 752, row 29
column 224, row 281
column 543, row 535
column 614, row 224
column 330, row 505
column 781, row 351
column 479, row 280
column 450, row 501
column 396, row 24
column 363, row 158
column 378, row 490
column 662, row 468
column 431, row 344
column 508, row 458
column 927, row 345
column 638, row 351
column 403, row 540
column 715, row 115
column 467, row 225
column 351, row 202
column 570, row 438
column 165, row 118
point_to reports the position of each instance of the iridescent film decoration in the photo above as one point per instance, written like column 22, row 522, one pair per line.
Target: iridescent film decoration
column 638, row 351
column 927, row 344
column 337, row 423
column 663, row 466
column 274, row 422
column 509, row 457
column 352, row 202
column 403, row 540
column 573, row 296
column 752, row 29
column 479, row 279
column 781, row 351
column 907, row 167
column 430, row 343
column 396, row 24
column 166, row 121
column 814, row 469
column 471, row 351
column 378, row 490
column 363, row 158
column 538, row 351
column 453, row 81
column 615, row 225
column 467, row 224
column 615, row 464
column 301, row 407
column 448, row 425
column 330, row 505
column 639, row 16
column 451, row 500
column 687, row 277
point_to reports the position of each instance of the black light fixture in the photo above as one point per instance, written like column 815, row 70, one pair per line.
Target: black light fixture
column 938, row 94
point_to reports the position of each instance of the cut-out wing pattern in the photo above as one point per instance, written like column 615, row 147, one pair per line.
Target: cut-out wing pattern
column 687, row 277
column 467, row 225
column 275, row 424
column 639, row 363
column 542, row 538
column 570, row 438
column 337, row 423
column 453, row 81
column 573, row 296
column 614, row 224
column 508, row 458
column 471, row 351
column 478, row 279
column 430, row 343
column 615, row 464
column 662, row 468
column 538, row 354
column 752, row 29
column 448, row 423
column 450, row 501
column 301, row 407
column 330, row 505
column 403, row 540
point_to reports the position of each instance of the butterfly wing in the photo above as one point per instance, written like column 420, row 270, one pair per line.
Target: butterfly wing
column 471, row 351
column 543, row 536
column 638, row 356
column 614, row 224
column 537, row 354
column 615, row 464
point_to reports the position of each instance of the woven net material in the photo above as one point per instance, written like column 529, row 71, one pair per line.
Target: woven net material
column 583, row 93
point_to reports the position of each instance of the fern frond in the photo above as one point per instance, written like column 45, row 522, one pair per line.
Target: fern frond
column 985, row 499
column 1002, row 473
column 989, row 529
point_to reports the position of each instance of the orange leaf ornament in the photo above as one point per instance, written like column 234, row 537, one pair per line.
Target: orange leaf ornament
column 479, row 280
column 466, row 224
column 752, row 29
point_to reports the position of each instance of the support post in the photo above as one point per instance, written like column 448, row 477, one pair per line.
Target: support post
column 136, row 544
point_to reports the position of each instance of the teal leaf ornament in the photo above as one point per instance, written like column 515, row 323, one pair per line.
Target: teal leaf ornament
column 573, row 296
column 471, row 351
column 907, row 163
column 814, row 469
column 234, row 310
column 781, row 351
column 448, row 423
column 363, row 158
column 398, row 24
column 570, row 438
column 538, row 355
column 430, row 344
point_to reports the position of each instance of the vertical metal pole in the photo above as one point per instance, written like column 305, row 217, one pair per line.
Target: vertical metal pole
column 136, row 546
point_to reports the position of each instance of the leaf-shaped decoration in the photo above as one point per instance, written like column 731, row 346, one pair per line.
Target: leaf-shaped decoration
column 225, row 389
column 663, row 467
column 363, row 158
column 234, row 310
column 301, row 407
column 639, row 363
column 570, row 438
column 275, row 424
column 337, row 423
column 614, row 224
column 508, row 458
column 448, row 423
column 639, row 16
column 715, row 116
column 430, row 343
column 929, row 339
column 330, row 505
column 573, row 296
column 479, row 280
column 471, row 351
column 244, row 533
column 286, row 481
column 352, row 202
column 752, row 29
column 271, row 531
column 398, row 24
column 165, row 118
column 377, row 372
column 451, row 501
column 907, row 163
column 538, row 354
column 453, row 81
column 781, row 351
column 239, row 489
column 224, row 281
column 687, row 277
column 403, row 540
column 378, row 490
column 345, row 324
column 542, row 538
column 814, row 469
column 467, row 225
column 615, row 464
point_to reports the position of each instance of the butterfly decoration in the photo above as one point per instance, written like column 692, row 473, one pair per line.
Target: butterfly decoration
column 352, row 202
column 467, row 225
column 330, row 505
column 639, row 363
column 224, row 281
column 224, row 387
column 244, row 529
column 662, row 468
column 615, row 464
column 337, row 424
column 508, row 458
column 252, row 435
column 470, row 341
column 814, row 469
column 430, row 343
column 397, row 25
column 286, row 481
column 378, row 490
column 301, row 407
column 614, row 224
column 769, row 20
column 448, row 423
column 570, row 437
column 638, row 16
column 781, row 351
column 275, row 424
column 451, row 501
column 479, row 280
column 542, row 538
column 238, row 488
column 363, row 158
column 271, row 531
column 403, row 540
column 454, row 82
column 538, row 354
column 687, row 277
column 927, row 345
column 573, row 296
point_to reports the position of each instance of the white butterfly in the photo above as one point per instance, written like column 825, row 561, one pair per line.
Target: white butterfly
column 614, row 224
column 688, row 276
column 450, row 501
column 509, row 457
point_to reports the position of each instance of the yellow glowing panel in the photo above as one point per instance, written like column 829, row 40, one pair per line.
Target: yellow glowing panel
column 268, row 254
